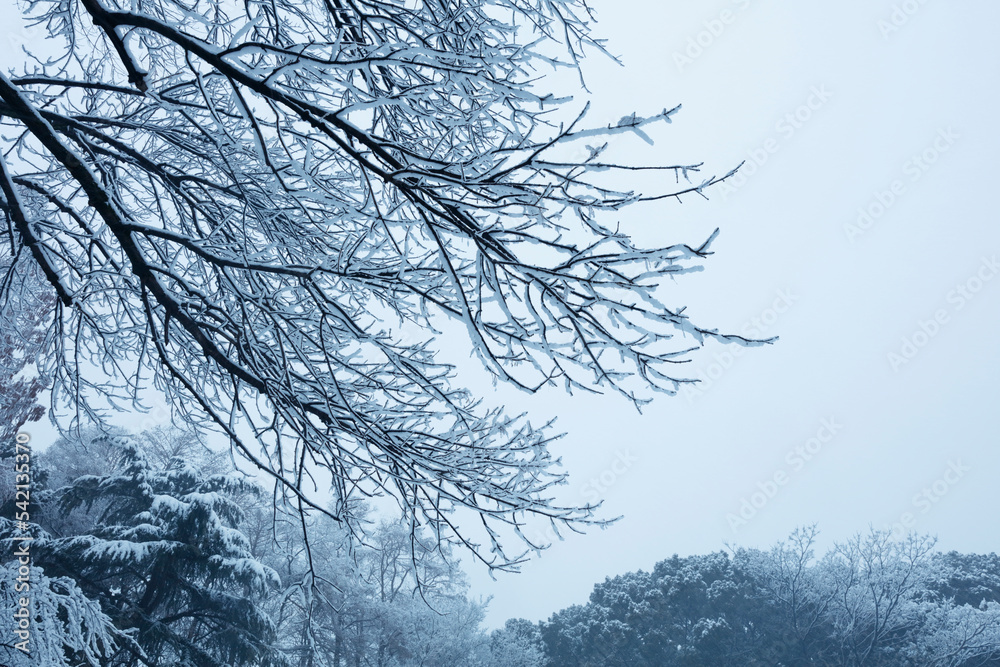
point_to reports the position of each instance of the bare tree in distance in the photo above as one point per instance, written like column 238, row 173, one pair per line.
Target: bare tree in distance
column 247, row 203
column 25, row 319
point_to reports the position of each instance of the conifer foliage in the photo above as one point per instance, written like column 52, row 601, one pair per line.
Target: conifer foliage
column 166, row 559
column 66, row 627
column 153, row 551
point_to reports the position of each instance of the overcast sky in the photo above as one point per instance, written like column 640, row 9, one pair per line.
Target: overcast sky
column 878, row 405
column 880, row 106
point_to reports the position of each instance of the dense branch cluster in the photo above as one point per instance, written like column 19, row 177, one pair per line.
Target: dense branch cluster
column 251, row 202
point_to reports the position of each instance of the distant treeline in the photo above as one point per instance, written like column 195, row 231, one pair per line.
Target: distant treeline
column 151, row 551
column 871, row 601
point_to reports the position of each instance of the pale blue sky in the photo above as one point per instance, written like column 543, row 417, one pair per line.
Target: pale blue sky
column 928, row 86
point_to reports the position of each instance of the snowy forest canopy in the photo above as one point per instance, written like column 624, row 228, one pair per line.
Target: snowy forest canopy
column 152, row 550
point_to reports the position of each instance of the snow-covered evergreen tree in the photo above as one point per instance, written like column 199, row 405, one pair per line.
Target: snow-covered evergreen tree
column 65, row 627
column 166, row 561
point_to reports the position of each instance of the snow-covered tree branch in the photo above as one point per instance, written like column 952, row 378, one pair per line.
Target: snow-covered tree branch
column 273, row 208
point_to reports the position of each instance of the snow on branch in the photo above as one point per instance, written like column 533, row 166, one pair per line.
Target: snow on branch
column 251, row 200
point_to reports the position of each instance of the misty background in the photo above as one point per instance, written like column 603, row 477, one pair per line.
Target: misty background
column 830, row 106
